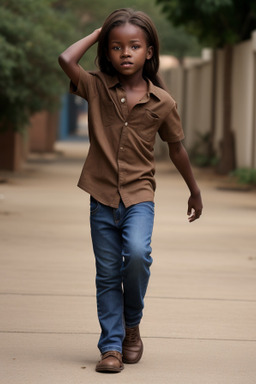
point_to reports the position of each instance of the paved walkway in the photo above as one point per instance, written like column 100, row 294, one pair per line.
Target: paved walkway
column 199, row 324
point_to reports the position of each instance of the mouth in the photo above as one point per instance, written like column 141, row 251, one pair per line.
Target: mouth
column 126, row 64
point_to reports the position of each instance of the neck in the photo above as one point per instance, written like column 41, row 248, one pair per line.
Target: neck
column 132, row 82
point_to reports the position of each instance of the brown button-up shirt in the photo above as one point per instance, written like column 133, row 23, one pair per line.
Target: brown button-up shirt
column 120, row 161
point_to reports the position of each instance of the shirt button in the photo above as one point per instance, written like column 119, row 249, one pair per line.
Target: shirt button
column 123, row 100
column 126, row 123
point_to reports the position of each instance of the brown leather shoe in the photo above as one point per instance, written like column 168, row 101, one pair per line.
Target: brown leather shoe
column 111, row 362
column 132, row 346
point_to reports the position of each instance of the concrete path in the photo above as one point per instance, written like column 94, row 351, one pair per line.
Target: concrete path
column 199, row 324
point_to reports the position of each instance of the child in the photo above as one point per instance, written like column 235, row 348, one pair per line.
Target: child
column 128, row 106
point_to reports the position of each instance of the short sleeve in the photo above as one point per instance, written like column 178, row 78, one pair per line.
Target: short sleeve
column 171, row 128
column 86, row 84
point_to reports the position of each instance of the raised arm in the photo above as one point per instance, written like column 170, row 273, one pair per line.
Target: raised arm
column 180, row 159
column 69, row 59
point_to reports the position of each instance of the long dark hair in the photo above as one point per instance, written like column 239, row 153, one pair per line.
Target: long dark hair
column 142, row 20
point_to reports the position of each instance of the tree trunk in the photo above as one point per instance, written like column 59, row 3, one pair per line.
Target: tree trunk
column 227, row 161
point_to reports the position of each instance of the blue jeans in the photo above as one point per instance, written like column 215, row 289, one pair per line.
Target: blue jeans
column 121, row 242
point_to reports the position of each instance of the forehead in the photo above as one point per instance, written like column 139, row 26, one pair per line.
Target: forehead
column 127, row 32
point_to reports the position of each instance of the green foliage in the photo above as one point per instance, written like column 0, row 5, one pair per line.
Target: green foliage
column 32, row 33
column 245, row 176
column 213, row 22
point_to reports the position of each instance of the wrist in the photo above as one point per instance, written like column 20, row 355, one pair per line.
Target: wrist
column 195, row 192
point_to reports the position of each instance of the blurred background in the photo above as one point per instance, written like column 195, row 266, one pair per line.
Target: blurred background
column 208, row 61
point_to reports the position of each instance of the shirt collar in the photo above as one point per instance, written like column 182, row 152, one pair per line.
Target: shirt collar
column 112, row 81
column 154, row 90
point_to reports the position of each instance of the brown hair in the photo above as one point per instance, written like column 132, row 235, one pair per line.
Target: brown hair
column 142, row 20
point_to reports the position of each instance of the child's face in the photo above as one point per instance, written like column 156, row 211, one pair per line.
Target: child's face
column 128, row 49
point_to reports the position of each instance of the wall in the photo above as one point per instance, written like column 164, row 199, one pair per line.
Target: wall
column 43, row 131
column 192, row 86
column 242, row 99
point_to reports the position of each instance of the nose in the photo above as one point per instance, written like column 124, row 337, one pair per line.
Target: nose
column 125, row 52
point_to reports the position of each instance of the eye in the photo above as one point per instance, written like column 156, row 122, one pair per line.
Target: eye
column 116, row 48
column 135, row 46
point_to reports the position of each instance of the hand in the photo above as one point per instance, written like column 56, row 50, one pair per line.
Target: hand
column 195, row 207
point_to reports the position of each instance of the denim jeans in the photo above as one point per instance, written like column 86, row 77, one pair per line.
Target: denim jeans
column 121, row 242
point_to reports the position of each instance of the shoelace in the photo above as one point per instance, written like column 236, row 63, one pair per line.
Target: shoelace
column 131, row 335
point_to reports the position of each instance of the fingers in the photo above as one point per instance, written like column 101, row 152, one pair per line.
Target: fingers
column 195, row 215
column 195, row 207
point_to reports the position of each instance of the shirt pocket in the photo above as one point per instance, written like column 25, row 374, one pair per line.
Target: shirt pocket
column 148, row 125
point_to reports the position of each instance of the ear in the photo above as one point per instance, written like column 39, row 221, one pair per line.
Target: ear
column 150, row 52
